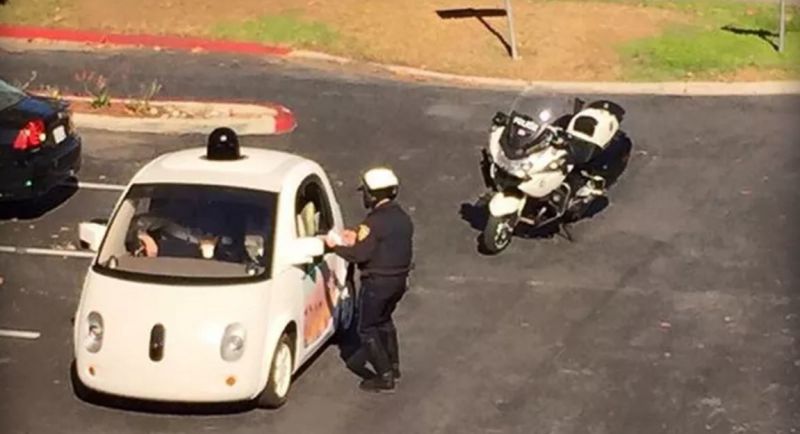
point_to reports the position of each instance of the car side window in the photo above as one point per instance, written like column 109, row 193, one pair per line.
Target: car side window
column 312, row 209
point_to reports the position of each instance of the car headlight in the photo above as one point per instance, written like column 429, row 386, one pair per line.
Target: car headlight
column 93, row 340
column 233, row 342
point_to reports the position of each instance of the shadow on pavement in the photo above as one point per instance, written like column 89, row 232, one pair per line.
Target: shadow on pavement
column 35, row 208
column 136, row 405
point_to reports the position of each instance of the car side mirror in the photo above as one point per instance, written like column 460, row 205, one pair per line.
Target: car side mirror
column 302, row 251
column 91, row 235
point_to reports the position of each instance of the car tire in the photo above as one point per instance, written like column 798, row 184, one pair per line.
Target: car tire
column 279, row 382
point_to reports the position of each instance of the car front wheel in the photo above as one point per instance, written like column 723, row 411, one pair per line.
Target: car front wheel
column 280, row 375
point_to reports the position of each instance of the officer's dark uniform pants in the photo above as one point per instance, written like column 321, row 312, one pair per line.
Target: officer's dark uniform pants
column 378, row 299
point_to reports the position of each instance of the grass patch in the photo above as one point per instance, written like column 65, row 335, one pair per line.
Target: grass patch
column 704, row 49
column 285, row 29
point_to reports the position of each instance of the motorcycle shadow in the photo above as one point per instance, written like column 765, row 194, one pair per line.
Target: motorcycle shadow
column 611, row 164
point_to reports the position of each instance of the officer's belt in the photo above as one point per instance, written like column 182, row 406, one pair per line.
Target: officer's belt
column 386, row 272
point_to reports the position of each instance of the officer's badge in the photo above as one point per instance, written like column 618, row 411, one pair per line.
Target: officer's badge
column 363, row 232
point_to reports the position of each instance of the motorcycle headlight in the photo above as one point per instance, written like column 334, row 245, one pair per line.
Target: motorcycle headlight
column 517, row 168
column 233, row 342
column 93, row 340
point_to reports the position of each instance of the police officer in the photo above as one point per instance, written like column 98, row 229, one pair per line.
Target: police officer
column 382, row 248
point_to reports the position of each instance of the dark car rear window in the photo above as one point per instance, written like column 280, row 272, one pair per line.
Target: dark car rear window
column 9, row 95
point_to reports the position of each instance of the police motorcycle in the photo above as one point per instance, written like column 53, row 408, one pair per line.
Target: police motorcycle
column 546, row 171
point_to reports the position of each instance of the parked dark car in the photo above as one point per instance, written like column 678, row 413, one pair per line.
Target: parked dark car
column 39, row 146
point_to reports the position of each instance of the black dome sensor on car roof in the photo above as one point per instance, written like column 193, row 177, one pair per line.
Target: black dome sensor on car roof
column 223, row 144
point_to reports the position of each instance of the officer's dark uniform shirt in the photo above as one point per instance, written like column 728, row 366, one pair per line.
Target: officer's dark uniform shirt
column 384, row 244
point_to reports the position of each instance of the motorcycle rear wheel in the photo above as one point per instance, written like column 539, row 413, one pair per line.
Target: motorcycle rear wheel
column 497, row 234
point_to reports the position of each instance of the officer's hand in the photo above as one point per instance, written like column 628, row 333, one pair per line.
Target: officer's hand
column 329, row 241
column 349, row 237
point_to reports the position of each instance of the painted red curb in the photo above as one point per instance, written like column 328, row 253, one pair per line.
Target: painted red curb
column 162, row 41
column 285, row 122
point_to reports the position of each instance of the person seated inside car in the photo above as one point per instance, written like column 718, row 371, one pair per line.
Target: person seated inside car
column 209, row 229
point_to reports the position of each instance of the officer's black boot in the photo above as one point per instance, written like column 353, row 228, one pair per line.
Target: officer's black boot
column 357, row 363
column 384, row 381
column 389, row 337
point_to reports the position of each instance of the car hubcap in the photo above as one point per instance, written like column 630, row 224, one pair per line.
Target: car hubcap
column 283, row 370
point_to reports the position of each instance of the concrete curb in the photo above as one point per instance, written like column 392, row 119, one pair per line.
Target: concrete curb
column 618, row 88
column 71, row 36
column 245, row 119
column 688, row 88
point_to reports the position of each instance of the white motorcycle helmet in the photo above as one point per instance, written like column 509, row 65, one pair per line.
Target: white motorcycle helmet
column 378, row 184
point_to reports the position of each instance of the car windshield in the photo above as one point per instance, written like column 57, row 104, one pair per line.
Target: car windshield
column 191, row 232
column 9, row 95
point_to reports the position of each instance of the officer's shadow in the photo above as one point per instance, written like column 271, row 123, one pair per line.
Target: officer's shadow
column 347, row 338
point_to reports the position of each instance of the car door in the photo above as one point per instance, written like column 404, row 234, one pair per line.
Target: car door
column 321, row 280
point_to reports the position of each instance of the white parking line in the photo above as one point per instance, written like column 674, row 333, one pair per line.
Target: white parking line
column 46, row 252
column 96, row 186
column 20, row 334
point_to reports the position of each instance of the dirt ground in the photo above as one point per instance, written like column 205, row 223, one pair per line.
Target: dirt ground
column 556, row 40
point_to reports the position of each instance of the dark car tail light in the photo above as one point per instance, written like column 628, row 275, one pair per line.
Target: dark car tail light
column 30, row 136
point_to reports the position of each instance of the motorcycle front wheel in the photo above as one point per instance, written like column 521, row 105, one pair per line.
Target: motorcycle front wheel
column 497, row 234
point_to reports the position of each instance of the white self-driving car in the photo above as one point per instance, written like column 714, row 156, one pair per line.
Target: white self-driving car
column 210, row 282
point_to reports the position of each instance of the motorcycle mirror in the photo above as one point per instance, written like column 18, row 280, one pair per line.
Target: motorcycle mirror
column 577, row 105
column 545, row 115
column 500, row 118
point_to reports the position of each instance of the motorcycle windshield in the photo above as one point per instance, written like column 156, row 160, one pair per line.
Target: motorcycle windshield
column 540, row 110
column 523, row 136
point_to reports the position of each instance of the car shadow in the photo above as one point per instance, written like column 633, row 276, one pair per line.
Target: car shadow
column 35, row 208
column 139, row 406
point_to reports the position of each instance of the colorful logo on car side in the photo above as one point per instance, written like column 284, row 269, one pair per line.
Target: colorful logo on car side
column 320, row 301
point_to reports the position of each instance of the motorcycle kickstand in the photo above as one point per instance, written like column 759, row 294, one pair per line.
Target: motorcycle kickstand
column 564, row 229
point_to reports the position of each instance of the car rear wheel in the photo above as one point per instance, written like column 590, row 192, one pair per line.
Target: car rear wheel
column 280, row 375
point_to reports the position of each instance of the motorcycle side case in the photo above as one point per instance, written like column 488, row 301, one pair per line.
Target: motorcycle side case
column 610, row 106
column 594, row 125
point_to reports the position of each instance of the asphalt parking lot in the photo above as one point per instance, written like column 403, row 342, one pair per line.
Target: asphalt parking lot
column 674, row 311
